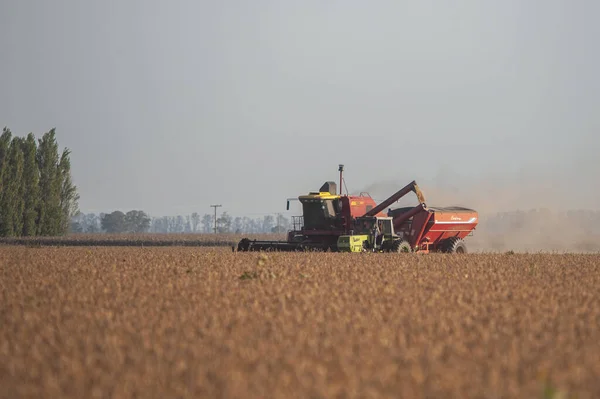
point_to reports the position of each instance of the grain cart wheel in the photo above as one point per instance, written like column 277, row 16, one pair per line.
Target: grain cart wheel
column 454, row 245
column 401, row 246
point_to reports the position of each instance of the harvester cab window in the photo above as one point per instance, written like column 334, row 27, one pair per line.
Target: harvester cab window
column 385, row 226
column 319, row 214
column 364, row 226
column 328, row 207
column 367, row 226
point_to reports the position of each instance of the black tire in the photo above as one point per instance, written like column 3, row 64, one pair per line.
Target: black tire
column 401, row 246
column 243, row 245
column 454, row 245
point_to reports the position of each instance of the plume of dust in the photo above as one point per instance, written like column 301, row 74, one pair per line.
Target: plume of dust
column 522, row 213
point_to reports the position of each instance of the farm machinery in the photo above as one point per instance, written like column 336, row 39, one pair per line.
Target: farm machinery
column 332, row 221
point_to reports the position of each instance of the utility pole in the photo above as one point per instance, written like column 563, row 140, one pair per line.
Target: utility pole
column 215, row 206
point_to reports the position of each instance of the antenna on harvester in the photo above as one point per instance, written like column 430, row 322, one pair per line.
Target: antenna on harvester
column 341, row 170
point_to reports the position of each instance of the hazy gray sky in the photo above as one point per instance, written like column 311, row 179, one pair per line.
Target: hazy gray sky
column 171, row 106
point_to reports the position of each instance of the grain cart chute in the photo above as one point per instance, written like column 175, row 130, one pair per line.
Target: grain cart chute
column 412, row 186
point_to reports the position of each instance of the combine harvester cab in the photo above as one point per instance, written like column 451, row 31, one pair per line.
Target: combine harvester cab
column 326, row 215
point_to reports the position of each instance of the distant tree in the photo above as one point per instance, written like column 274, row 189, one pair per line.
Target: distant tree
column 247, row 225
column 136, row 222
column 207, row 223
column 195, row 219
column 238, row 225
column 180, row 224
column 268, row 223
column 172, row 224
column 76, row 227
column 160, row 225
column 114, row 222
column 283, row 224
column 118, row 222
column 31, row 179
column 92, row 223
column 224, row 223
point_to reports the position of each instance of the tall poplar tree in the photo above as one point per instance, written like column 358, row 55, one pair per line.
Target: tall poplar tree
column 37, row 194
column 15, row 189
column 68, row 192
column 49, row 210
column 31, row 180
column 5, row 140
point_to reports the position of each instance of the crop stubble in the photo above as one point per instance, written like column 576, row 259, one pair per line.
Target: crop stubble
column 183, row 322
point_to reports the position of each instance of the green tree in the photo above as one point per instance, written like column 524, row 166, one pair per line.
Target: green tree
column 5, row 140
column 136, row 222
column 15, row 202
column 11, row 193
column 224, row 223
column 114, row 222
column 68, row 192
column 31, row 181
column 37, row 195
column 207, row 223
column 49, row 207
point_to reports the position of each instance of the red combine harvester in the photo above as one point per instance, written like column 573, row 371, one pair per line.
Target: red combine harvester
column 335, row 222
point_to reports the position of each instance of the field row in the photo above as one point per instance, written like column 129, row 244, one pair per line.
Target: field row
column 145, row 239
column 481, row 242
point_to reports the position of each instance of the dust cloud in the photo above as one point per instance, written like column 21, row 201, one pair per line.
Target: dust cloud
column 522, row 212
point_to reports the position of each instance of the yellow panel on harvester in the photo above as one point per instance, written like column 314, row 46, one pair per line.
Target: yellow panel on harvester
column 352, row 243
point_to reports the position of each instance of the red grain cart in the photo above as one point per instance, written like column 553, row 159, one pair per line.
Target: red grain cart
column 429, row 229
column 435, row 229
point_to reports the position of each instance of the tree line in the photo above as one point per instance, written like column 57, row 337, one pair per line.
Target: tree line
column 37, row 194
column 137, row 221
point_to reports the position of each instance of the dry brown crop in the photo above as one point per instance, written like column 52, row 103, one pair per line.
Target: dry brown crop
column 206, row 322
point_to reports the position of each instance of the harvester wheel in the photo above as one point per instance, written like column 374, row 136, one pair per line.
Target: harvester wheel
column 454, row 245
column 244, row 245
column 401, row 246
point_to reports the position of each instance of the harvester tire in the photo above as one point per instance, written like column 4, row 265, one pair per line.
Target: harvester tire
column 243, row 245
column 401, row 246
column 454, row 245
